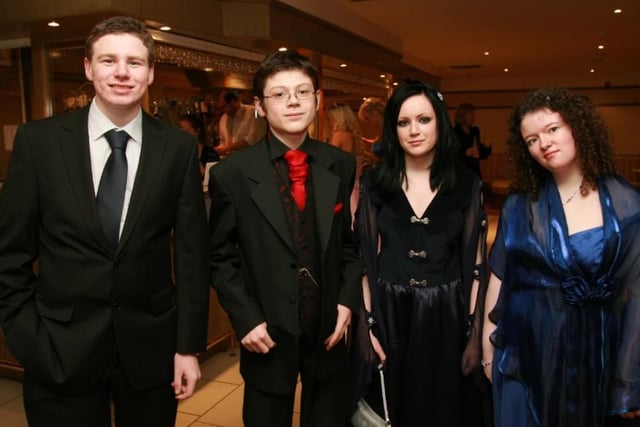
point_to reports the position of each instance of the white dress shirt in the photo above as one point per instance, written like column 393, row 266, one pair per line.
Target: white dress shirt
column 100, row 150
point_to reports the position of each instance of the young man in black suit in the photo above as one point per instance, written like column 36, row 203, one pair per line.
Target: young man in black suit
column 283, row 258
column 96, row 197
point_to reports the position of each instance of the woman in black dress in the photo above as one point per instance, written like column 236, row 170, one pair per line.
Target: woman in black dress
column 422, row 230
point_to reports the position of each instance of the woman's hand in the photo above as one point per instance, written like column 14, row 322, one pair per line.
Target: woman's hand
column 377, row 347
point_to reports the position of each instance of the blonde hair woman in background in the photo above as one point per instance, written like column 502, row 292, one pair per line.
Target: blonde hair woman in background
column 344, row 133
column 344, row 128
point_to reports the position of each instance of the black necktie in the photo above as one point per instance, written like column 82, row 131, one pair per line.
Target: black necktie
column 110, row 197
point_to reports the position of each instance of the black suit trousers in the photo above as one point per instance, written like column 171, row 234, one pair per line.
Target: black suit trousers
column 322, row 402
column 45, row 407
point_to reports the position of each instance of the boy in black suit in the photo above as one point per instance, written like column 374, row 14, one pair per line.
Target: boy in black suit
column 283, row 258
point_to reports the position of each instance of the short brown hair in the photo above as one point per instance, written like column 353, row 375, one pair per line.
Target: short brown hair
column 121, row 25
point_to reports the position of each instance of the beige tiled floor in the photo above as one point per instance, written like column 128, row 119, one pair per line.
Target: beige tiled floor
column 216, row 402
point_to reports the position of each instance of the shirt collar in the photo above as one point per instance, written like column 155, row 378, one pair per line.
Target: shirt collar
column 100, row 124
column 277, row 147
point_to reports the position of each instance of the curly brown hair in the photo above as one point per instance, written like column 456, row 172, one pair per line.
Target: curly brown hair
column 591, row 135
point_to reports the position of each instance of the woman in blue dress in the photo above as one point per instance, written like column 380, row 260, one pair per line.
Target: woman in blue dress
column 563, row 341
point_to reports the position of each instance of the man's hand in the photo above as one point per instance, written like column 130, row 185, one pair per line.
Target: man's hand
column 258, row 339
column 342, row 325
column 186, row 372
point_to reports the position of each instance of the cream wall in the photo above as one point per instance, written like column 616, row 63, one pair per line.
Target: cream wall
column 620, row 108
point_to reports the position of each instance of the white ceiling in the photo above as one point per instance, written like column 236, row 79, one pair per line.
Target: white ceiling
column 542, row 39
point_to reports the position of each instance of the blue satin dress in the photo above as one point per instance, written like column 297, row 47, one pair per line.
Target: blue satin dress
column 568, row 328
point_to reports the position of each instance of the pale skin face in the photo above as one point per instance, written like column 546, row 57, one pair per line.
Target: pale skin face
column 416, row 128
column 550, row 141
column 120, row 71
column 289, row 120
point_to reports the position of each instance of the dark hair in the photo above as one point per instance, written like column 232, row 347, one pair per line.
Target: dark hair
column 196, row 124
column 390, row 174
column 590, row 133
column 121, row 25
column 460, row 116
column 230, row 95
column 282, row 61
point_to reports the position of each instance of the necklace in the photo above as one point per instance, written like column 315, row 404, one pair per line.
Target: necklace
column 573, row 194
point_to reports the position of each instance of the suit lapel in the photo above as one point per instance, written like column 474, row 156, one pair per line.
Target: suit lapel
column 266, row 194
column 325, row 189
column 74, row 144
column 152, row 151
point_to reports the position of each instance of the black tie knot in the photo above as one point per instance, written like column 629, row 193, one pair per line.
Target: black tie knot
column 117, row 139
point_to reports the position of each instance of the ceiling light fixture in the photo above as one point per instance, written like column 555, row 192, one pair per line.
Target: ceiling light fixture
column 506, row 70
column 282, row 49
column 53, row 24
column 592, row 70
column 617, row 11
column 165, row 28
column 343, row 65
column 382, row 76
column 600, row 46
column 486, row 53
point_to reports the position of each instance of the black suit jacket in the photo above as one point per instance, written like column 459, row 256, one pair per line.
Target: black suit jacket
column 87, row 303
column 254, row 263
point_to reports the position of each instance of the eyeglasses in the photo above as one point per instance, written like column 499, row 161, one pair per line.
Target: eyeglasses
column 280, row 94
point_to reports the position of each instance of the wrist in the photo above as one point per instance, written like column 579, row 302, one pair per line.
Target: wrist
column 369, row 319
column 484, row 364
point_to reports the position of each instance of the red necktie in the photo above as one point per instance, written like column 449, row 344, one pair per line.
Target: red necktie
column 298, row 167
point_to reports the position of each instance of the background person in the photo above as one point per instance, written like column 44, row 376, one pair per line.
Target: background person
column 194, row 127
column 472, row 150
column 565, row 268
column 238, row 126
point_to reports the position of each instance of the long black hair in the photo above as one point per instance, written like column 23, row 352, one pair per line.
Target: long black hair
column 388, row 177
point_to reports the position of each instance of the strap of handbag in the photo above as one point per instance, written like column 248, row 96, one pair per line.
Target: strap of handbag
column 387, row 421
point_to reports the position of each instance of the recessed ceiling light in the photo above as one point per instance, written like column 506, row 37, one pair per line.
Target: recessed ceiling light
column 617, row 11
column 343, row 65
column 592, row 70
column 486, row 53
column 382, row 76
column 395, row 83
column 506, row 70
column 208, row 69
column 282, row 49
column 53, row 24
column 165, row 28
column 600, row 46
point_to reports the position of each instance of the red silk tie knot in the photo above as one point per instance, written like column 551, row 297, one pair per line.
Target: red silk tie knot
column 298, row 168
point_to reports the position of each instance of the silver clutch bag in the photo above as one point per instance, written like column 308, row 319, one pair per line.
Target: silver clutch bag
column 364, row 416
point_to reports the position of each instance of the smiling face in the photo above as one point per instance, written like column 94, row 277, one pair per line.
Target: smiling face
column 120, row 71
column 550, row 141
column 417, row 128
column 289, row 117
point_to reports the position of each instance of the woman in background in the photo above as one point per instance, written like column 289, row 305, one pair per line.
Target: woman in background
column 344, row 133
column 565, row 274
column 422, row 229
column 194, row 126
column 371, row 114
column 472, row 150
